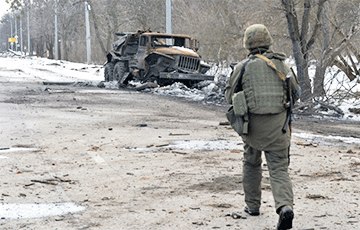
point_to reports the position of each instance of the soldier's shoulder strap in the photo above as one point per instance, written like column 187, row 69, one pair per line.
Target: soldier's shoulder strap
column 272, row 65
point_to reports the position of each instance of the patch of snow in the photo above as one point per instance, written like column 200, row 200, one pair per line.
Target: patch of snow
column 350, row 104
column 28, row 211
column 220, row 70
column 180, row 90
column 43, row 69
column 183, row 49
column 111, row 85
column 207, row 145
column 328, row 140
column 8, row 150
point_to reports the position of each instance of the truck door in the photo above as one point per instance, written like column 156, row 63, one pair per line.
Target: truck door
column 142, row 51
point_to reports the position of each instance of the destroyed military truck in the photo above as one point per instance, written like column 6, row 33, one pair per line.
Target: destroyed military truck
column 147, row 56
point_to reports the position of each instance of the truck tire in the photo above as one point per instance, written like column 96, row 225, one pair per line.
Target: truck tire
column 109, row 71
column 119, row 71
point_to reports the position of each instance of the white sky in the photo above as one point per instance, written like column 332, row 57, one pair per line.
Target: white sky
column 3, row 7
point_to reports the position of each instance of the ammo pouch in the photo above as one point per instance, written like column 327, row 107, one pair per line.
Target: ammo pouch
column 237, row 114
column 239, row 104
column 238, row 123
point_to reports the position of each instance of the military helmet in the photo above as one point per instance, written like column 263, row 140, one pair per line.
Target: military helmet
column 257, row 35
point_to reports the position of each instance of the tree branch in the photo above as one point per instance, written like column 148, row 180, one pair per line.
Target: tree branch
column 343, row 66
column 305, row 25
column 317, row 24
column 292, row 19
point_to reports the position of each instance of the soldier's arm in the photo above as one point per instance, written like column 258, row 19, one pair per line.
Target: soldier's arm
column 232, row 82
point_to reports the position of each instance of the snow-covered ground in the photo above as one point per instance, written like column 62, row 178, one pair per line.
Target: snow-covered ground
column 28, row 211
column 43, row 69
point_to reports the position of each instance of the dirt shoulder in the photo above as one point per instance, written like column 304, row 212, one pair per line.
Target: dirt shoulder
column 327, row 126
column 140, row 161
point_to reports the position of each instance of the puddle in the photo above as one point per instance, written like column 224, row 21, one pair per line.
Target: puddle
column 28, row 211
column 329, row 140
column 8, row 150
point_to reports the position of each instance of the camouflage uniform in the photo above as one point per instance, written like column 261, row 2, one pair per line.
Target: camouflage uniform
column 265, row 95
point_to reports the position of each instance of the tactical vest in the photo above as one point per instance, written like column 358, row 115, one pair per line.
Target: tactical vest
column 265, row 92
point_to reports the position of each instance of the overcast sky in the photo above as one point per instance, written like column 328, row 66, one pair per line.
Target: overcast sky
column 3, row 7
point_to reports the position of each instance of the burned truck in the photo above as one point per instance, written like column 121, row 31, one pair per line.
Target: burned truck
column 147, row 56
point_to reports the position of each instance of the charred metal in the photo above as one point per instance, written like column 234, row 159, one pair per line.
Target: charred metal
column 147, row 56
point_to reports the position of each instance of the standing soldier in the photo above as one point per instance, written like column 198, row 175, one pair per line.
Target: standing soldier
column 265, row 80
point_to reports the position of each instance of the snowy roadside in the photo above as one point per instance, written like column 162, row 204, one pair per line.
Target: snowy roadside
column 46, row 70
column 43, row 69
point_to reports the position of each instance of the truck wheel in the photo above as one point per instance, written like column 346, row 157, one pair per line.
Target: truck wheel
column 164, row 82
column 109, row 71
column 119, row 71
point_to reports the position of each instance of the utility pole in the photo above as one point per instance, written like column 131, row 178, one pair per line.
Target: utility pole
column 28, row 26
column 21, row 36
column 16, row 36
column 168, row 21
column 168, row 17
column 12, row 33
column 88, row 36
column 56, row 34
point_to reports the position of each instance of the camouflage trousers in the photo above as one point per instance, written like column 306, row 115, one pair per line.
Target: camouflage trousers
column 281, row 186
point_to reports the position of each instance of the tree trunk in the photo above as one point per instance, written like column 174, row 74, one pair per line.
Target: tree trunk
column 298, row 50
column 50, row 49
column 39, row 47
column 319, row 89
column 306, row 88
column 98, row 37
column 319, row 79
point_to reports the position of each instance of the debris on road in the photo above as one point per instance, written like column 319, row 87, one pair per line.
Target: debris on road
column 305, row 144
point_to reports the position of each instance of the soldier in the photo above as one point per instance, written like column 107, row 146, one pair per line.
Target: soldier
column 263, row 81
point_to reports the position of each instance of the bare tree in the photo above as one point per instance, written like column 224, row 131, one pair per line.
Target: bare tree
column 323, row 36
column 218, row 24
column 111, row 16
column 146, row 14
column 42, row 22
column 15, row 4
column 5, row 31
column 71, row 18
column 17, row 8
column 338, row 33
column 107, row 17
column 303, row 38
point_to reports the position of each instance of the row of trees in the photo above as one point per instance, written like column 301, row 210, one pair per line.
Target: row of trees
column 320, row 31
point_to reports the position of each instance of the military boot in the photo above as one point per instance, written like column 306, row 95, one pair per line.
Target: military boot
column 286, row 216
column 251, row 212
